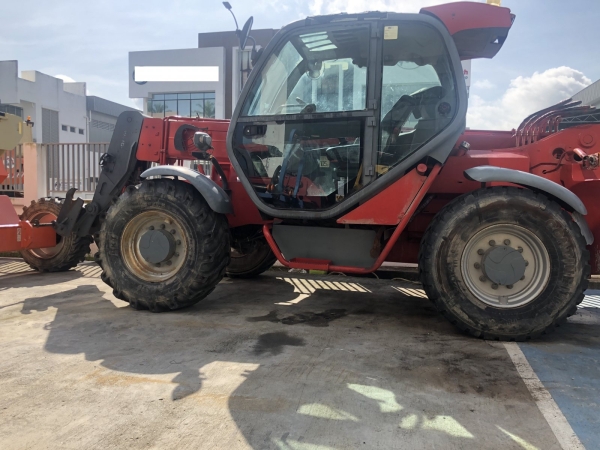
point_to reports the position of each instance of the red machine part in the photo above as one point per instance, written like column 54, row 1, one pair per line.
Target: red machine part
column 157, row 144
column 416, row 195
column 568, row 157
column 398, row 198
column 462, row 16
column 18, row 235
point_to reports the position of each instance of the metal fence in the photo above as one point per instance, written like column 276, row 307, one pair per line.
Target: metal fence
column 73, row 166
column 78, row 166
column 13, row 163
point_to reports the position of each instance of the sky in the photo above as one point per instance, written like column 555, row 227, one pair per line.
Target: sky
column 551, row 52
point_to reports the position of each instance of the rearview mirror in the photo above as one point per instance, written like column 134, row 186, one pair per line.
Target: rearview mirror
column 243, row 35
column 202, row 141
column 314, row 69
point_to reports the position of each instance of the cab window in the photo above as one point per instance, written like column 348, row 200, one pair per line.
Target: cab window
column 323, row 71
column 418, row 98
column 297, row 154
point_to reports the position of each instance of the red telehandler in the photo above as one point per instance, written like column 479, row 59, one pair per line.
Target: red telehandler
column 347, row 149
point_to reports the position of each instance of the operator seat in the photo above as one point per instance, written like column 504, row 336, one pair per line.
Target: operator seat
column 429, row 123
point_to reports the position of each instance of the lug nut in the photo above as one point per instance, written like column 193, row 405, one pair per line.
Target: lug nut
column 157, row 264
column 477, row 266
column 163, row 226
column 492, row 243
column 169, row 263
column 176, row 255
column 523, row 277
column 526, row 263
column 494, row 286
column 506, row 241
column 151, row 228
column 482, row 278
column 172, row 231
column 178, row 242
column 509, row 286
column 480, row 252
column 520, row 249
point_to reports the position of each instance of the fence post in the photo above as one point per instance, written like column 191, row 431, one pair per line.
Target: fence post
column 34, row 171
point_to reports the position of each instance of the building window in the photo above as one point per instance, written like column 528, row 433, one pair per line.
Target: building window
column 10, row 109
column 81, row 131
column 194, row 104
column 102, row 125
column 65, row 128
column 72, row 129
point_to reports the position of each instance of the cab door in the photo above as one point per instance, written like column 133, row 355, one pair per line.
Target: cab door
column 306, row 126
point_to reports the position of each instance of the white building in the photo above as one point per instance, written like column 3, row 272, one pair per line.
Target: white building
column 203, row 81
column 590, row 95
column 61, row 111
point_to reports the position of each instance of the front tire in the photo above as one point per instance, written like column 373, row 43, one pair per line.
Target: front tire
column 68, row 252
column 162, row 247
column 504, row 263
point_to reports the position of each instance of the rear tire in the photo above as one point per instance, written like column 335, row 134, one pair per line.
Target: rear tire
column 198, row 243
column 69, row 251
column 250, row 257
column 549, row 274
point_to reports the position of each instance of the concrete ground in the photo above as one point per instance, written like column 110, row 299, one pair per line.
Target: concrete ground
column 285, row 361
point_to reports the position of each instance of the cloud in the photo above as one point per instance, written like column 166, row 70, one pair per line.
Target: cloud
column 357, row 6
column 65, row 78
column 524, row 96
column 484, row 84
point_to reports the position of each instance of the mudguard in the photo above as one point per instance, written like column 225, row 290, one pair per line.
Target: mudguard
column 215, row 196
column 486, row 174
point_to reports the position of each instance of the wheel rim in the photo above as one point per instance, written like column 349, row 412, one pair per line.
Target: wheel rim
column 50, row 252
column 143, row 235
column 505, row 266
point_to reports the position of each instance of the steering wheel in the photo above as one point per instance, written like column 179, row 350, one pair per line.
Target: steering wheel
column 399, row 112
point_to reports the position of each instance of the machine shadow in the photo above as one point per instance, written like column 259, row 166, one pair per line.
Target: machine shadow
column 26, row 279
column 301, row 354
column 247, row 325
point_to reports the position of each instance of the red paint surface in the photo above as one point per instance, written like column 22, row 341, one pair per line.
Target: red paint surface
column 316, row 264
column 531, row 148
column 462, row 16
column 389, row 206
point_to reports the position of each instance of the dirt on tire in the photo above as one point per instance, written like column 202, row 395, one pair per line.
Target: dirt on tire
column 207, row 255
column 69, row 251
column 445, row 240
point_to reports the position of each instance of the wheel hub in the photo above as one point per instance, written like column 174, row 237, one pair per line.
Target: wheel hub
column 157, row 246
column 503, row 265
column 154, row 246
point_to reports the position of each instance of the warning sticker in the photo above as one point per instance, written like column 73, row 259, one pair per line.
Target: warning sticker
column 324, row 161
column 390, row 33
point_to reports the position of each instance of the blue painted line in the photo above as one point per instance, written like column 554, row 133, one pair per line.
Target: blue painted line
column 568, row 364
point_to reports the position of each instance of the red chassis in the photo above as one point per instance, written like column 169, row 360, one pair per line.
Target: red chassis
column 539, row 146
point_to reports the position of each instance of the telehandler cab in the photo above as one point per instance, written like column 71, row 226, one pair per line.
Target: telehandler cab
column 347, row 148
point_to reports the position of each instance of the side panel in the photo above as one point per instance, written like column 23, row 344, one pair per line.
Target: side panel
column 342, row 247
column 389, row 206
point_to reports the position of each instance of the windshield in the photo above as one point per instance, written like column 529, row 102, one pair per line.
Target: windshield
column 324, row 71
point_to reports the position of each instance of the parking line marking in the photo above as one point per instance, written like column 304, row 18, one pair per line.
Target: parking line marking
column 546, row 404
